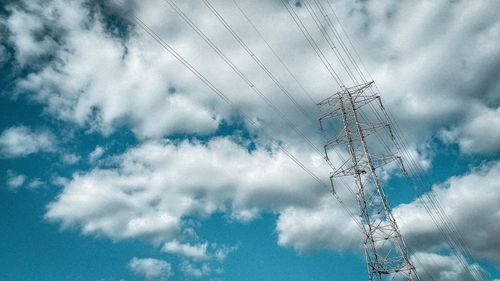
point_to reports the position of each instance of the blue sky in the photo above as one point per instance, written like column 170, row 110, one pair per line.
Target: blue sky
column 117, row 163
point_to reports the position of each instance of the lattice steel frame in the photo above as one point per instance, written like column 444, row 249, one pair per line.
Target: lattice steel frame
column 386, row 254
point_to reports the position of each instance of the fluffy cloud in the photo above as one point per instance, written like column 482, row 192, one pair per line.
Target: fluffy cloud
column 476, row 135
column 197, row 252
column 35, row 183
column 131, row 80
column 96, row 154
column 21, row 141
column 70, row 158
column 155, row 185
column 15, row 180
column 471, row 202
column 29, row 33
column 123, row 82
column 151, row 190
column 151, row 269
column 325, row 226
column 201, row 252
column 441, row 268
column 192, row 270
column 435, row 62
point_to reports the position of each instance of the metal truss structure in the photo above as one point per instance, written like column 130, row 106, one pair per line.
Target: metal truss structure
column 386, row 254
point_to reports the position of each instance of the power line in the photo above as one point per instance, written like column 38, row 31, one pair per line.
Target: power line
column 228, row 101
column 254, row 27
column 255, row 58
column 249, row 82
column 313, row 44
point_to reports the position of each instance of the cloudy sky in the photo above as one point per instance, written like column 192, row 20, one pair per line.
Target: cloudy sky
column 121, row 162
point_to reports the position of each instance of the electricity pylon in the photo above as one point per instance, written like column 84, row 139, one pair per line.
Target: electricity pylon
column 386, row 254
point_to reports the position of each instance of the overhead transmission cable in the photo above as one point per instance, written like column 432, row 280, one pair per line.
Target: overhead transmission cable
column 250, row 84
column 278, row 57
column 228, row 101
column 255, row 58
column 313, row 44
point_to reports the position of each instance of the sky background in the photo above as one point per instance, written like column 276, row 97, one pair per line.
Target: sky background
column 117, row 163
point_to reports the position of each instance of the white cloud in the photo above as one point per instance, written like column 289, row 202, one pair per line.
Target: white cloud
column 124, row 82
column 70, row 158
column 21, row 141
column 471, row 202
column 222, row 252
column 155, row 185
column 151, row 269
column 133, row 81
column 35, row 183
column 192, row 270
column 197, row 252
column 129, row 80
column 325, row 226
column 441, row 268
column 435, row 62
column 96, row 154
column 29, row 33
column 477, row 136
column 14, row 180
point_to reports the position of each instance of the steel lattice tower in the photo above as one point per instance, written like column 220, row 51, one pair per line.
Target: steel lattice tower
column 386, row 254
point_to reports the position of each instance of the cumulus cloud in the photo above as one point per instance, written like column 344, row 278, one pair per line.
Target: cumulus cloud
column 96, row 154
column 192, row 270
column 441, row 267
column 325, row 226
column 155, row 185
column 70, row 158
column 221, row 252
column 131, row 80
column 35, row 183
column 197, row 252
column 151, row 269
column 436, row 64
column 471, row 202
column 20, row 141
column 123, row 82
column 476, row 135
column 29, row 33
column 15, row 180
